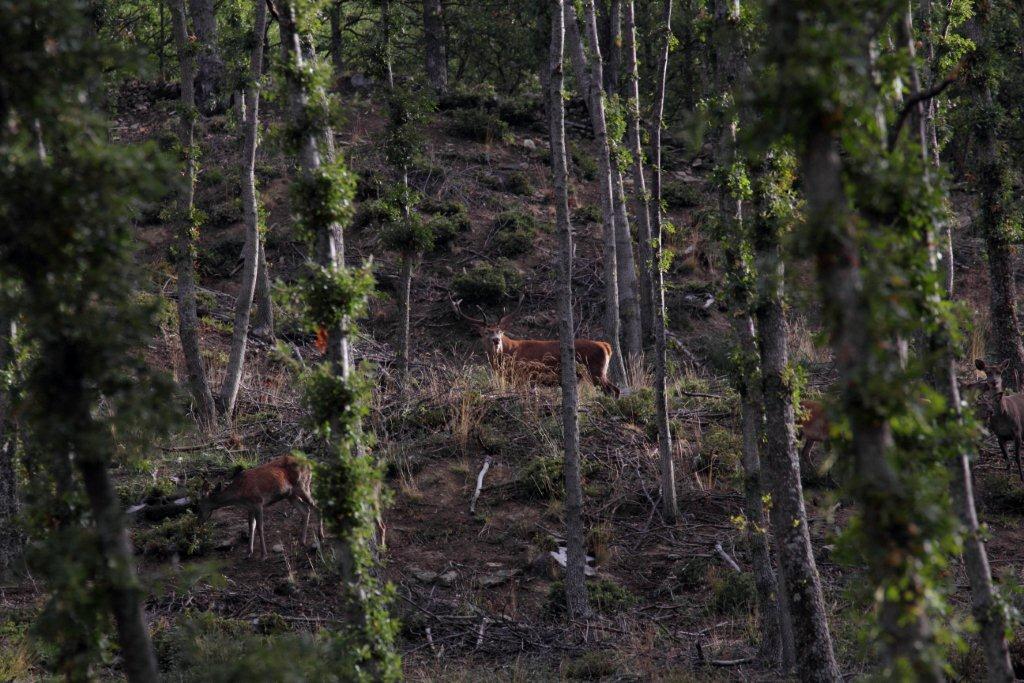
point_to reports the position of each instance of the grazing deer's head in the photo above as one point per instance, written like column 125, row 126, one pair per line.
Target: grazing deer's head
column 491, row 333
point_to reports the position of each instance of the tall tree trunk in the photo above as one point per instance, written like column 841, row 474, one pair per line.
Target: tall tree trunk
column 629, row 298
column 435, row 45
column 669, row 504
column 596, row 103
column 613, row 50
column 404, row 306
column 250, row 209
column 188, row 319
column 728, row 65
column 575, row 568
column 631, row 91
column 125, row 595
column 812, row 641
column 209, row 76
column 263, row 316
column 11, row 538
column 337, row 59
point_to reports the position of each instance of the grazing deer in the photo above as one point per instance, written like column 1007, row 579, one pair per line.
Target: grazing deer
column 1004, row 415
column 283, row 478
column 541, row 356
column 814, row 427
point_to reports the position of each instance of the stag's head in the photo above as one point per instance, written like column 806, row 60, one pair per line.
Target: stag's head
column 491, row 333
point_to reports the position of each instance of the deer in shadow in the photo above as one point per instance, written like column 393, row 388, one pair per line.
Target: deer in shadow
column 1002, row 414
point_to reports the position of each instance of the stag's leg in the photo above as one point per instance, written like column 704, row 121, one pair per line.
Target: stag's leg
column 318, row 530
column 301, row 507
column 252, row 531
column 259, row 526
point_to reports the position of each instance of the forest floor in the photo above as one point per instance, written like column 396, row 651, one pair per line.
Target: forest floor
column 478, row 593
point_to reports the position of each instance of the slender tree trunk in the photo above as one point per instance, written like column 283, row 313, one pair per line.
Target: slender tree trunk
column 11, row 537
column 404, row 306
column 613, row 51
column 337, row 60
column 434, row 43
column 125, row 595
column 594, row 97
column 575, row 569
column 250, row 208
column 669, row 504
column 209, row 76
column 629, row 299
column 631, row 91
column 188, row 319
column 812, row 642
column 263, row 316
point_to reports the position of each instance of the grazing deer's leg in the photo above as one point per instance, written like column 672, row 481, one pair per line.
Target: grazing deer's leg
column 301, row 507
column 1006, row 455
column 307, row 498
column 1016, row 453
column 259, row 526
column 252, row 531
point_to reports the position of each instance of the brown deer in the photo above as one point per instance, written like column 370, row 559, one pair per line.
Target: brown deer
column 540, row 357
column 283, row 478
column 1004, row 415
column 814, row 427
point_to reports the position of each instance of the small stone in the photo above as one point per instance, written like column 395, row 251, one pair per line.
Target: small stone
column 529, row 144
column 424, row 575
column 277, row 548
column 496, row 578
column 448, row 578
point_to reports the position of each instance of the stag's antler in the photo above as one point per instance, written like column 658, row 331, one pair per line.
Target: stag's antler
column 506, row 317
column 458, row 311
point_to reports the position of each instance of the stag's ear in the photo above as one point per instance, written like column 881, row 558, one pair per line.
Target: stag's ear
column 980, row 364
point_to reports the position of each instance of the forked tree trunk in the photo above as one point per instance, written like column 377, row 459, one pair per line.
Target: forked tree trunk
column 575, row 568
column 596, row 103
column 669, row 504
column 250, row 209
column 631, row 90
column 122, row 583
column 188, row 319
column 263, row 316
column 209, row 75
column 435, row 45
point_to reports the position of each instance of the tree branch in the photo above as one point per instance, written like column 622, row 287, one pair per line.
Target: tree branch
column 918, row 98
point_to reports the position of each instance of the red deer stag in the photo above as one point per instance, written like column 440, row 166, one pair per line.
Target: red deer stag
column 541, row 354
column 814, row 427
column 283, row 478
column 1004, row 415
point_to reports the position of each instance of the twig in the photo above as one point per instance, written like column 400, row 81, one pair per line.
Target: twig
column 916, row 99
column 725, row 558
column 479, row 484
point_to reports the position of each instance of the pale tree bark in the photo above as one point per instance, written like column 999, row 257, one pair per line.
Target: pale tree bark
column 596, row 100
column 435, row 45
column 631, row 90
column 263, row 316
column 812, row 642
column 575, row 569
column 984, row 600
column 250, row 209
column 404, row 309
column 11, row 537
column 188, row 318
column 209, row 74
column 669, row 504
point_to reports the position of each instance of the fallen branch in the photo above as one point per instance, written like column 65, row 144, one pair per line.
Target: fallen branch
column 725, row 558
column 479, row 484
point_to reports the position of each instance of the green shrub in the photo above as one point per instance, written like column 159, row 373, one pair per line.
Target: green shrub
column 519, row 183
column 543, row 478
column 584, row 163
column 370, row 185
column 375, row 213
column 444, row 230
column 488, row 285
column 519, row 111
column 456, row 211
column 680, row 195
column 185, row 536
column 479, row 126
column 692, row 574
column 408, row 235
column 720, row 451
column 219, row 259
column 604, row 595
column 516, row 233
column 464, row 97
column 588, row 213
column 734, row 593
